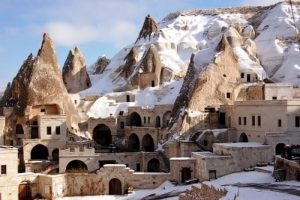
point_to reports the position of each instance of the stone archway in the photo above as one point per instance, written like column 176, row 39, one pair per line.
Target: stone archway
column 153, row 165
column 243, row 138
column 76, row 166
column 115, row 187
column 55, row 155
column 186, row 174
column 135, row 119
column 25, row 191
column 148, row 143
column 279, row 149
column 39, row 152
column 102, row 135
column 133, row 142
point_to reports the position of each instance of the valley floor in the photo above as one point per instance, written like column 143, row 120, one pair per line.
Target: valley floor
column 249, row 185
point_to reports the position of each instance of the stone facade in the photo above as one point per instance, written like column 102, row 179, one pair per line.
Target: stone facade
column 236, row 156
column 253, row 122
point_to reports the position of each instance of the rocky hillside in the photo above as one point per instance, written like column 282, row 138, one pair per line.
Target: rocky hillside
column 226, row 43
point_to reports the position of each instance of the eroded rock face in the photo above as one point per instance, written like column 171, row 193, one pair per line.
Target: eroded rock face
column 149, row 27
column 101, row 64
column 208, row 88
column 75, row 76
column 39, row 82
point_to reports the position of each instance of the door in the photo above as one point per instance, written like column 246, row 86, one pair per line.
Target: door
column 185, row 174
column 248, row 77
column 25, row 191
column 115, row 187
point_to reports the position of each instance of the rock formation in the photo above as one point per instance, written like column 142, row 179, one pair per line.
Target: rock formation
column 149, row 27
column 39, row 82
column 75, row 76
column 207, row 88
column 101, row 64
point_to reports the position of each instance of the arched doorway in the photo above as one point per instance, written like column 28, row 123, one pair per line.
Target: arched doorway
column 55, row 155
column 153, row 165
column 186, row 174
column 243, row 138
column 157, row 122
column 25, row 191
column 133, row 142
column 148, row 143
column 39, row 152
column 166, row 118
column 76, row 166
column 135, row 119
column 279, row 149
column 19, row 129
column 34, row 130
column 115, row 187
column 102, row 135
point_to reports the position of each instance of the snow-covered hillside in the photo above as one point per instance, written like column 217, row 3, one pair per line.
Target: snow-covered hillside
column 264, row 42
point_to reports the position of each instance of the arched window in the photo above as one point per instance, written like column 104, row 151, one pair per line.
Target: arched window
column 153, row 165
column 243, row 138
column 102, row 135
column 76, row 166
column 39, row 152
column 19, row 129
column 133, row 142
column 135, row 119
column 148, row 143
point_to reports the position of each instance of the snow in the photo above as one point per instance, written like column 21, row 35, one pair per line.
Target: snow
column 226, row 182
column 242, row 144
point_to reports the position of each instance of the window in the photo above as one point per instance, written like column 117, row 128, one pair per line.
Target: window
column 121, row 113
column 43, row 110
column 242, row 75
column 145, row 120
column 297, row 121
column 258, row 121
column 253, row 120
column 127, row 98
column 122, row 125
column 138, row 167
column 148, row 120
column 240, row 121
column 3, row 169
column 274, row 98
column 205, row 142
column 279, row 122
column 57, row 130
column 245, row 121
column 49, row 130
column 228, row 95
column 75, row 101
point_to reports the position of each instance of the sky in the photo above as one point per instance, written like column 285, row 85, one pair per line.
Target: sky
column 97, row 27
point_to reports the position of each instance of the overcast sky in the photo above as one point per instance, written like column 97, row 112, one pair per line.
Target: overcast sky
column 97, row 27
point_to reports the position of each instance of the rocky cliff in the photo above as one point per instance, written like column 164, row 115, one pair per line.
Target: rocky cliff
column 39, row 82
column 75, row 76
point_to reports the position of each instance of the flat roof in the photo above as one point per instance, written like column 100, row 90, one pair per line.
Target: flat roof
column 242, row 144
column 182, row 158
column 208, row 154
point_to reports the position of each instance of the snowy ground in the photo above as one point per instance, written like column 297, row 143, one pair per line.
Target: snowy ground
column 242, row 181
